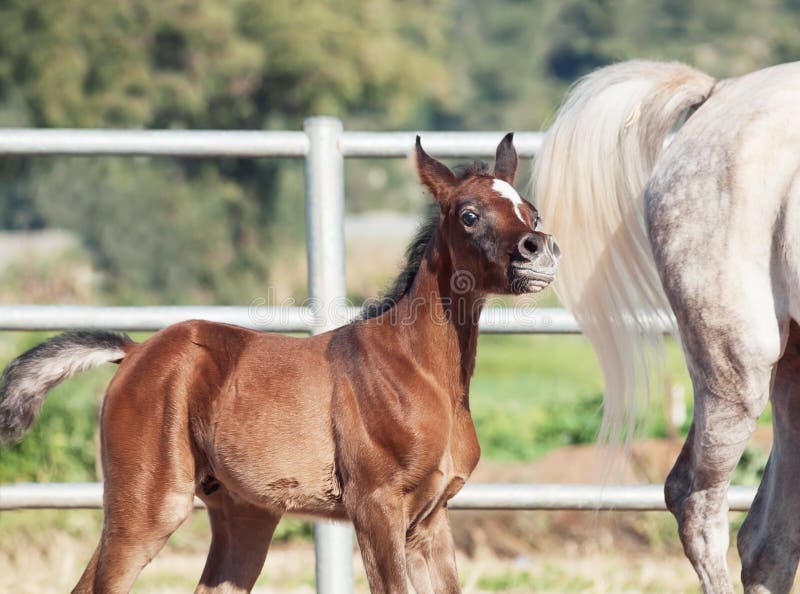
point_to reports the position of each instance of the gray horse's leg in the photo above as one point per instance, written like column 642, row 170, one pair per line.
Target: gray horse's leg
column 769, row 540
column 731, row 370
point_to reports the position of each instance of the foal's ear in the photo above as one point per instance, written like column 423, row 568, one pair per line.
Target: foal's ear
column 433, row 174
column 505, row 163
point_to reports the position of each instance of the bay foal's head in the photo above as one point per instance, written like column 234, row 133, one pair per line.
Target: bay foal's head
column 491, row 232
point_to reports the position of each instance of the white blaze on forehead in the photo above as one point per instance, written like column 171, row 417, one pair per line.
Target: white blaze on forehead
column 507, row 191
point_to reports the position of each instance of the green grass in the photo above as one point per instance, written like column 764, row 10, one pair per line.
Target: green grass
column 33, row 526
column 533, row 393
column 548, row 578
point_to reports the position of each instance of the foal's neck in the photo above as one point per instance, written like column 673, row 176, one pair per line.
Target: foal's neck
column 444, row 307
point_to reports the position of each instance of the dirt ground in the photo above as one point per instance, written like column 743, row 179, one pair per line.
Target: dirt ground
column 512, row 552
column 289, row 570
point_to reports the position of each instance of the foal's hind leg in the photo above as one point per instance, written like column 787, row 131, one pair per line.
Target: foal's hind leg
column 137, row 523
column 769, row 540
column 148, row 487
column 240, row 537
column 731, row 370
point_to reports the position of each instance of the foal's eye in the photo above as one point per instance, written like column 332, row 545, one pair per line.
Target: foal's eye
column 469, row 218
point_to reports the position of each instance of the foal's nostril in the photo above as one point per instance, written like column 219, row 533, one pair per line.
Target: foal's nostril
column 535, row 246
column 530, row 246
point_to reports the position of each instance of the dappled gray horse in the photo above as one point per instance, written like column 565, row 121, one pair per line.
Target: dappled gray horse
column 709, row 227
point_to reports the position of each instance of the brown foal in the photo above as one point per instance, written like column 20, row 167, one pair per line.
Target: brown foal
column 369, row 422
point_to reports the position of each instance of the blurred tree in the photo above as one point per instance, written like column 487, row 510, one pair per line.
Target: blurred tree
column 194, row 228
column 456, row 64
column 513, row 59
column 579, row 33
column 218, row 64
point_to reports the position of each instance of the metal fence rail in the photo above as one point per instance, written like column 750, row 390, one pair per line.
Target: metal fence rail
column 324, row 145
column 473, row 496
column 259, row 317
column 241, row 143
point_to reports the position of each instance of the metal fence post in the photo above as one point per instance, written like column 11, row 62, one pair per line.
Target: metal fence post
column 326, row 288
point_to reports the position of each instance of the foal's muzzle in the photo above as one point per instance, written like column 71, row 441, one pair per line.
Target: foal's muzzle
column 535, row 267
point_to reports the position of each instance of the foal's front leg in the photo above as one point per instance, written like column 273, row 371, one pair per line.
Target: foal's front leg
column 431, row 557
column 380, row 527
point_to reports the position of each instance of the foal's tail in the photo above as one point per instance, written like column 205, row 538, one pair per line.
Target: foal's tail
column 28, row 378
column 589, row 182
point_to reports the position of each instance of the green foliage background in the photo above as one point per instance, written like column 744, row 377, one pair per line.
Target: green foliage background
column 208, row 231
column 194, row 229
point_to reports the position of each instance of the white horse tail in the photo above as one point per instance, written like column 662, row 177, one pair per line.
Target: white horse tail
column 589, row 182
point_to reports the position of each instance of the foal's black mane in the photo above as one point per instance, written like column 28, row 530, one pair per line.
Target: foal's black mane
column 415, row 252
column 402, row 284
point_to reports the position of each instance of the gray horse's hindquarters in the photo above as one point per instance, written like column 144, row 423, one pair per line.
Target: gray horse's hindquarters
column 720, row 244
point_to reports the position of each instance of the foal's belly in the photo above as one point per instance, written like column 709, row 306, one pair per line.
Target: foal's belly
column 290, row 495
column 273, row 446
column 298, row 481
